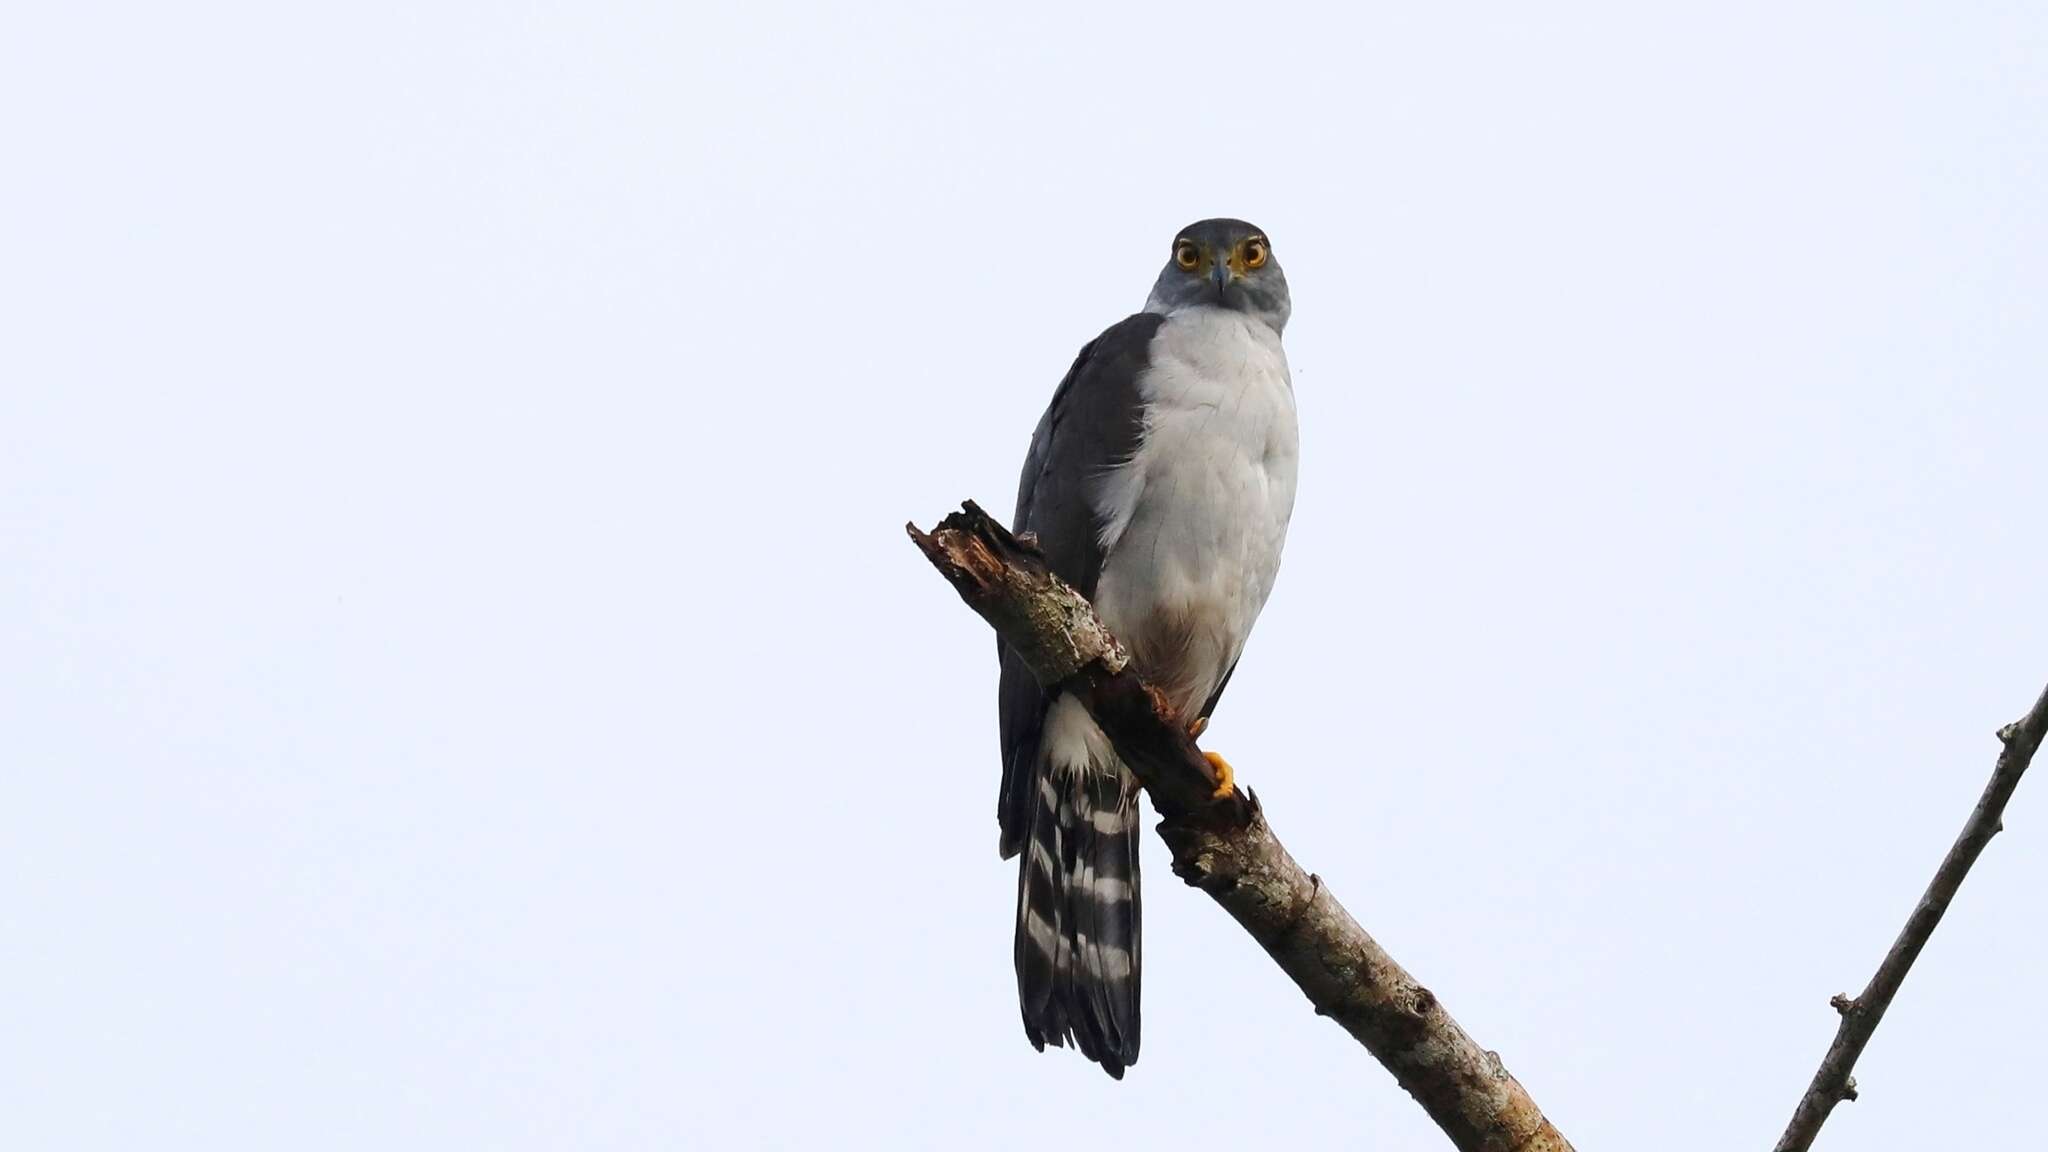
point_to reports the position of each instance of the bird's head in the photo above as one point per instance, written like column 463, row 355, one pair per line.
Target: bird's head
column 1222, row 263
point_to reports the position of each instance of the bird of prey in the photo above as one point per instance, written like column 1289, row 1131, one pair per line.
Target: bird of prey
column 1159, row 484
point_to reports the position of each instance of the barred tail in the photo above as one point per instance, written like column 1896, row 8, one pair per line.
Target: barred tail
column 1077, row 914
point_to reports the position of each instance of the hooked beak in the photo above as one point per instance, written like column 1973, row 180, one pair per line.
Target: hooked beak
column 1221, row 274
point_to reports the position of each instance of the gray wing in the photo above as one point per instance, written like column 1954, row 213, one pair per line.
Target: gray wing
column 1209, row 706
column 1091, row 426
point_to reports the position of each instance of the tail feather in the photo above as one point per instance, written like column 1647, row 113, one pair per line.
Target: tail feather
column 1078, row 944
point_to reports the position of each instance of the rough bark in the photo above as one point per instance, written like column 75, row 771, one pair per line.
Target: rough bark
column 1226, row 848
column 1833, row 1083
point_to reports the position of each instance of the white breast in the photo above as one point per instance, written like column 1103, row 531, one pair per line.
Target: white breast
column 1193, row 525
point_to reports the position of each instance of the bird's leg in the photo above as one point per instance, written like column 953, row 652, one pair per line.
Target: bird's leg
column 1226, row 777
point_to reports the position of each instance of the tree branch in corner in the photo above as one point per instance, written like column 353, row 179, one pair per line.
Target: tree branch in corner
column 1833, row 1083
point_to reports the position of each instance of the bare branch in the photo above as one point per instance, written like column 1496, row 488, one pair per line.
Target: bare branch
column 1225, row 847
column 1833, row 1083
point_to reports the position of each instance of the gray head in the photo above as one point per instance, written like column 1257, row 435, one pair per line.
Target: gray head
column 1223, row 263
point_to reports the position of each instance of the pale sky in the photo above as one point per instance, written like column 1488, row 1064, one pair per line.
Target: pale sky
column 463, row 683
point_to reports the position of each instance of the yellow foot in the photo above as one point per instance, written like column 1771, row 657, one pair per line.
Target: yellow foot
column 1200, row 726
column 1226, row 778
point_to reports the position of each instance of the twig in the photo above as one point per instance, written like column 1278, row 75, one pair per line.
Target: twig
column 1833, row 1082
column 1226, row 849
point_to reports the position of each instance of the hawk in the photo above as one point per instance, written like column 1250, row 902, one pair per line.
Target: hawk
column 1159, row 484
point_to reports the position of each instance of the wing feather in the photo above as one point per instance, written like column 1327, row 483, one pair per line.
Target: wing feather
column 1090, row 427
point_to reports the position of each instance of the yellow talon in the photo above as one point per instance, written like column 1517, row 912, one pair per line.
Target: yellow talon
column 1226, row 778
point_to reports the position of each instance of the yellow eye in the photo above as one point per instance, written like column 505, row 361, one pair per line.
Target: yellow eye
column 1255, row 253
column 1186, row 255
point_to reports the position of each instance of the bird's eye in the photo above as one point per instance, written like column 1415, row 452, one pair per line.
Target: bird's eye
column 1255, row 253
column 1185, row 255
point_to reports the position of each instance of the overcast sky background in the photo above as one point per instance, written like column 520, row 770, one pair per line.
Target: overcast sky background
column 463, row 683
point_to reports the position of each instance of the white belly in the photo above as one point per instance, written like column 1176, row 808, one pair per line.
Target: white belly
column 1194, row 524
